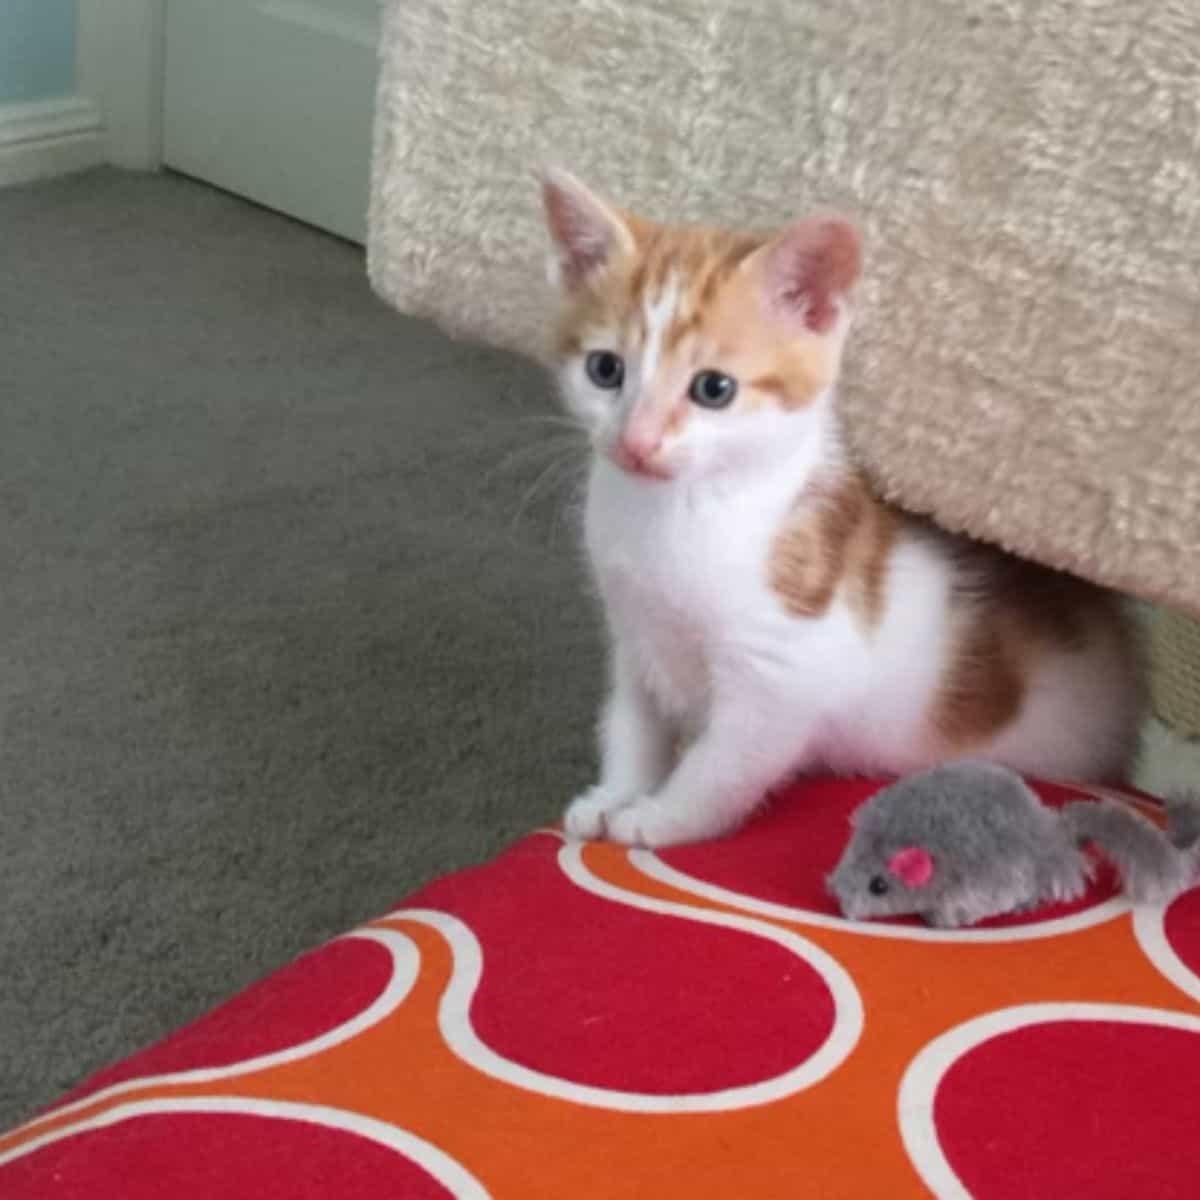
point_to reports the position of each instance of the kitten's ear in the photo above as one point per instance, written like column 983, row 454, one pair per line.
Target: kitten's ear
column 586, row 232
column 809, row 268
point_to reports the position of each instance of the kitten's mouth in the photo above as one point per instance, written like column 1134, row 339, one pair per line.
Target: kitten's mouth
column 636, row 464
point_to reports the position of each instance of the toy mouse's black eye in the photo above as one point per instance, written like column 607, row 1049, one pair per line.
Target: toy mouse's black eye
column 878, row 886
column 711, row 389
column 605, row 369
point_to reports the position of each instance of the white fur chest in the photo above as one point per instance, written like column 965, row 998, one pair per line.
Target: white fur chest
column 679, row 573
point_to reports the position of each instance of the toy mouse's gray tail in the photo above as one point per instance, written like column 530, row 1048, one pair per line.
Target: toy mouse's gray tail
column 1183, row 820
column 1154, row 866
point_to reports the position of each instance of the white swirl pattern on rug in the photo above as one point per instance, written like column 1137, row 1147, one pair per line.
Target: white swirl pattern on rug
column 454, row 1012
column 451, row 1174
column 405, row 966
column 919, row 1086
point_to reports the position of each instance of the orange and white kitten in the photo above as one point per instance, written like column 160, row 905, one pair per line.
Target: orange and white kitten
column 768, row 612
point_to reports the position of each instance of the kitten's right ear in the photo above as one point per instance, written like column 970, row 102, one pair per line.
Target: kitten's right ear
column 586, row 232
column 809, row 269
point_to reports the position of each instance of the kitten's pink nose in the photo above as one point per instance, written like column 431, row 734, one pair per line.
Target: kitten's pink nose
column 638, row 449
column 639, row 453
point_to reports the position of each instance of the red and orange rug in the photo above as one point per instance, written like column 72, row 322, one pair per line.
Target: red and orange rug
column 573, row 1022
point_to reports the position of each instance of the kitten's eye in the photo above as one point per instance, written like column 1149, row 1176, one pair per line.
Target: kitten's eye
column 605, row 369
column 878, row 886
column 711, row 389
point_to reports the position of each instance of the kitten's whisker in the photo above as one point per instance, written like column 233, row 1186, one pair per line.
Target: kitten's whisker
column 558, row 420
column 524, row 455
column 555, row 473
column 571, row 506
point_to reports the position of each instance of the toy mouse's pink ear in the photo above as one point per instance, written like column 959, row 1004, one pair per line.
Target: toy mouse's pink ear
column 913, row 866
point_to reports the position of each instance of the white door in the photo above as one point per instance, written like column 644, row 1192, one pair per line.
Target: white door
column 273, row 99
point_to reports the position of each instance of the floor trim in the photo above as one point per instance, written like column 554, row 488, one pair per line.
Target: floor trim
column 49, row 137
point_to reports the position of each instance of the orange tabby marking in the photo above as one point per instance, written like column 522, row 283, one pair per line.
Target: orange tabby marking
column 839, row 536
column 1009, row 614
column 718, row 322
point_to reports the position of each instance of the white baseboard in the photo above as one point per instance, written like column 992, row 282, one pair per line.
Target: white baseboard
column 49, row 137
column 122, row 47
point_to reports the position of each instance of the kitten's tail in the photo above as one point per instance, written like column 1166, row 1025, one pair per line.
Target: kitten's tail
column 1154, row 866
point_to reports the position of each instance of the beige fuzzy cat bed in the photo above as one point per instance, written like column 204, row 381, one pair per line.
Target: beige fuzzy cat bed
column 1027, row 350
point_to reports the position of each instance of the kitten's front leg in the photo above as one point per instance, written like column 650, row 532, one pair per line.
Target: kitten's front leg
column 635, row 753
column 750, row 744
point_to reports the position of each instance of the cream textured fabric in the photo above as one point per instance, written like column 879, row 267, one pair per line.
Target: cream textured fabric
column 1027, row 354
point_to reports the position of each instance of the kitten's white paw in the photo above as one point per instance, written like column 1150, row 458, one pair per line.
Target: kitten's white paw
column 650, row 823
column 586, row 816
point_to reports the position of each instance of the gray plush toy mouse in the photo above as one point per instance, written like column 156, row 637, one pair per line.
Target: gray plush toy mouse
column 969, row 840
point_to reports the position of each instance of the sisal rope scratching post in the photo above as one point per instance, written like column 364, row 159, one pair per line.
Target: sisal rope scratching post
column 1175, row 672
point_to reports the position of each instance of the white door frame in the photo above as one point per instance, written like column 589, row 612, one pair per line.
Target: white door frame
column 121, row 60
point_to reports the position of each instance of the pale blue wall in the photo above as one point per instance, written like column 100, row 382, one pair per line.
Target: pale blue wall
column 37, row 49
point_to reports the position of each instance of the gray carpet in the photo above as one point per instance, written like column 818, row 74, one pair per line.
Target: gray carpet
column 281, row 633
